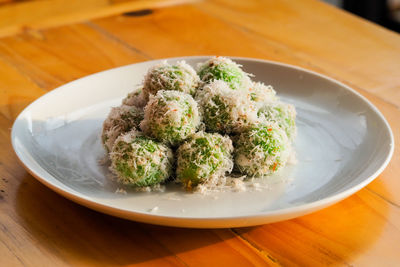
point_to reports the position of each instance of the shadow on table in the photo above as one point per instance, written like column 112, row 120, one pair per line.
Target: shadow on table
column 340, row 234
column 78, row 234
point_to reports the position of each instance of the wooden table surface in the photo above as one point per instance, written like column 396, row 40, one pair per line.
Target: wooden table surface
column 40, row 228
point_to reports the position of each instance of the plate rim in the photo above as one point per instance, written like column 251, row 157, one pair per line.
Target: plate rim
column 207, row 222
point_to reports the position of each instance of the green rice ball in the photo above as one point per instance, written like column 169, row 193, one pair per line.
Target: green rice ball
column 221, row 68
column 179, row 77
column 261, row 93
column 203, row 156
column 137, row 160
column 120, row 120
column 170, row 117
column 261, row 150
column 225, row 110
column 135, row 98
column 281, row 113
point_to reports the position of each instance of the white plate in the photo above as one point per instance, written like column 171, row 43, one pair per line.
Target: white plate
column 343, row 143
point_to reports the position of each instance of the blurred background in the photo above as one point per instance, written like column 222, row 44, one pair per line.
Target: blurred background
column 383, row 12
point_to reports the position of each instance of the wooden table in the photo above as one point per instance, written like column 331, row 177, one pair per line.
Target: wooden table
column 40, row 228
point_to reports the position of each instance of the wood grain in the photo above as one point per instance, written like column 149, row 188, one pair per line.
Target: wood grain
column 40, row 228
column 28, row 16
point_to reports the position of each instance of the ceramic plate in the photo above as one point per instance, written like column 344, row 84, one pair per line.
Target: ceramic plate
column 343, row 143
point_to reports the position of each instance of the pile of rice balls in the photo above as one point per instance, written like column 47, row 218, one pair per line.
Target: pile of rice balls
column 196, row 127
